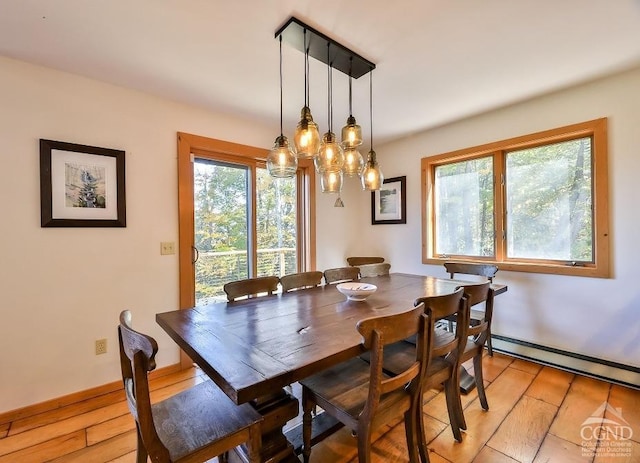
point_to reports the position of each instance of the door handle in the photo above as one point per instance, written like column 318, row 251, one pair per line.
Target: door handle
column 195, row 254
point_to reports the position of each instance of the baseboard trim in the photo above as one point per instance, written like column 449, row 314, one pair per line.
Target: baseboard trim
column 59, row 402
column 614, row 372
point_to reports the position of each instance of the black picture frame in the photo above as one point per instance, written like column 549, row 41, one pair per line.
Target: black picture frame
column 81, row 186
column 389, row 204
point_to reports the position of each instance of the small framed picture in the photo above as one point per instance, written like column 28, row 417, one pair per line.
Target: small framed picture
column 81, row 186
column 388, row 204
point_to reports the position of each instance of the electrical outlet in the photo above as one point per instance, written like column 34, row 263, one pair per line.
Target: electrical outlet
column 101, row 346
column 167, row 248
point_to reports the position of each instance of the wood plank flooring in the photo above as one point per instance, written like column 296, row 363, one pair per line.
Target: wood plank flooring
column 537, row 415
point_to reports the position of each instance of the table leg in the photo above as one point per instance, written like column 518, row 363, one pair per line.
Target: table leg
column 276, row 410
column 467, row 382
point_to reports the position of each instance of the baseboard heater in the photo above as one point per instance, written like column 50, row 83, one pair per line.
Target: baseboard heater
column 575, row 363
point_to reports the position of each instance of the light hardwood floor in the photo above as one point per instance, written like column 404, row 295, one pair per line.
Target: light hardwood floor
column 536, row 415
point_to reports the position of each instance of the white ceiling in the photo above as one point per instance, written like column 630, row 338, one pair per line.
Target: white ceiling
column 437, row 60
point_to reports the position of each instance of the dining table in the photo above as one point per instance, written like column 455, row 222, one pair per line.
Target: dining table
column 255, row 348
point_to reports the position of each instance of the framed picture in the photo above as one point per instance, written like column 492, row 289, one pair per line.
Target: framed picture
column 388, row 204
column 81, row 186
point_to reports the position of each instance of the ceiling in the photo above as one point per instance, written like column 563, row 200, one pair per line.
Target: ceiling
column 437, row 60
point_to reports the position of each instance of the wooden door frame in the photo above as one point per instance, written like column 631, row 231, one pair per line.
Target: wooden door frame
column 190, row 145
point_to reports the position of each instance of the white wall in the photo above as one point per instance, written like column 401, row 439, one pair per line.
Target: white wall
column 590, row 316
column 63, row 288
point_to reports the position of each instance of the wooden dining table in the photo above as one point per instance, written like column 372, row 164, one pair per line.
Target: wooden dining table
column 254, row 348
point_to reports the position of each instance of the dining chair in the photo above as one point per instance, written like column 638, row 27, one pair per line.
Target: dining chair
column 362, row 397
column 356, row 261
column 192, row 426
column 337, row 275
column 374, row 270
column 477, row 335
column 251, row 287
column 446, row 356
column 488, row 271
column 300, row 280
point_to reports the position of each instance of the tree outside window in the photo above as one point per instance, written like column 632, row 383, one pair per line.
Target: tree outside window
column 535, row 203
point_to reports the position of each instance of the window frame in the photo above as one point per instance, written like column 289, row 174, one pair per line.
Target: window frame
column 595, row 129
column 190, row 146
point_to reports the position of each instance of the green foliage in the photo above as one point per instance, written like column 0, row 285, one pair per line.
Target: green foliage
column 549, row 204
column 464, row 208
column 221, row 214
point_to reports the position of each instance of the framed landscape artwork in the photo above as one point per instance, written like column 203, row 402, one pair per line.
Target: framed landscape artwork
column 388, row 204
column 81, row 186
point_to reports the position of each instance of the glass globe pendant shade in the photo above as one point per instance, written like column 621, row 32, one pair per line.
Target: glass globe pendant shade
column 353, row 162
column 371, row 177
column 281, row 160
column 331, row 182
column 351, row 134
column 330, row 158
column 307, row 137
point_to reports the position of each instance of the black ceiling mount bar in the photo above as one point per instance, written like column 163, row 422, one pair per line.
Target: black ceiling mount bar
column 341, row 58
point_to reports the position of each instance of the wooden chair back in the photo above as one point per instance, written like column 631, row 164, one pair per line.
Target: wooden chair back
column 337, row 275
column 374, row 270
column 446, row 352
column 356, row 261
column 251, row 287
column 479, row 332
column 363, row 396
column 194, row 425
column 300, row 280
column 486, row 270
column 379, row 332
column 137, row 359
column 476, row 294
column 452, row 305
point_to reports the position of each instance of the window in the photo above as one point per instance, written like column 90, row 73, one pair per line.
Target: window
column 536, row 203
column 236, row 221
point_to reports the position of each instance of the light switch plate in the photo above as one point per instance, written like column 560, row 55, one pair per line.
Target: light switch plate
column 167, row 248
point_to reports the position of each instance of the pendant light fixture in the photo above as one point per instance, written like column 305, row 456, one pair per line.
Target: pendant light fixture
column 371, row 177
column 331, row 181
column 333, row 160
column 351, row 139
column 352, row 132
column 353, row 162
column 331, row 156
column 281, row 160
column 306, row 137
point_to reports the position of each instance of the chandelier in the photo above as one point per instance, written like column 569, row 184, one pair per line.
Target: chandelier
column 333, row 159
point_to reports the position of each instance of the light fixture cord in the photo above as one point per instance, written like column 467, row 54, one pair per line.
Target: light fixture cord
column 306, row 70
column 371, row 104
column 350, row 69
column 329, row 118
column 281, row 133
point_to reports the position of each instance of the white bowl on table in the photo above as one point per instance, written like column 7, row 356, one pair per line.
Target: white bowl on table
column 356, row 291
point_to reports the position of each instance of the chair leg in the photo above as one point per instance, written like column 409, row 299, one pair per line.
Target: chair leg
column 141, row 453
column 420, row 432
column 411, row 430
column 364, row 443
column 307, row 407
column 477, row 372
column 489, row 346
column 462, row 423
column 454, row 406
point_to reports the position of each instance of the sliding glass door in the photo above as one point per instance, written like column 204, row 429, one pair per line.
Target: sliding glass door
column 224, row 201
column 221, row 226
